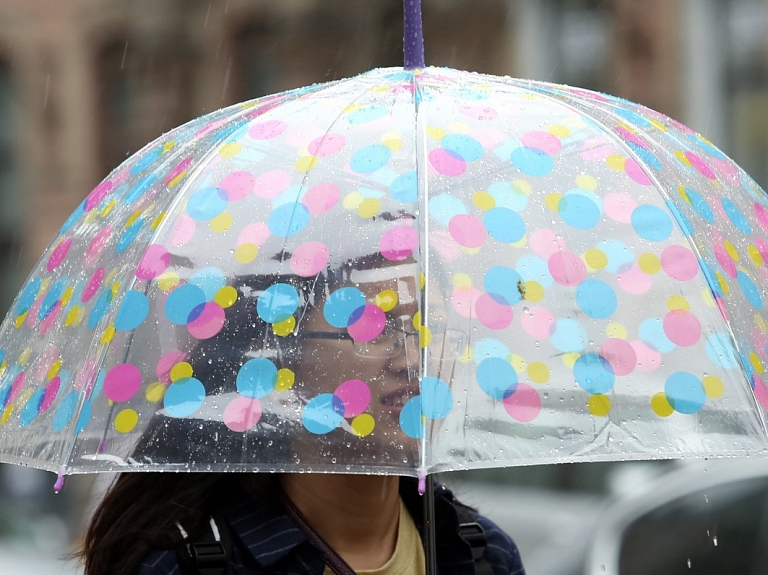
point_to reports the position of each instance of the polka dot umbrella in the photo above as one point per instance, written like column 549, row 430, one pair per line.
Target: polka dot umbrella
column 413, row 270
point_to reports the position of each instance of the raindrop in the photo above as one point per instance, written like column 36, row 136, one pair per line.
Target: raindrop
column 689, row 563
column 714, row 540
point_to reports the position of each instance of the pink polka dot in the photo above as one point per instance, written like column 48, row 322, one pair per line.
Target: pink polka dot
column 447, row 163
column 166, row 363
column 635, row 172
column 242, row 414
column 725, row 261
column 761, row 213
column 327, row 145
column 97, row 245
column 399, row 243
column 321, row 198
column 635, row 281
column 595, row 150
column 208, row 128
column 87, row 376
column 762, row 248
column 238, row 185
column 256, row 233
column 478, row 112
column 727, row 169
column 628, row 136
column 177, row 170
column 367, row 324
column 17, row 386
column 355, row 395
column 93, row 284
column 34, row 311
column 299, row 136
column 467, row 230
column 51, row 390
column 619, row 207
column 309, row 259
column 682, row 328
column 567, row 268
column 488, row 136
column 183, row 230
column 620, row 355
column 271, row 184
column 463, row 301
column 58, row 255
column 50, row 319
column 760, row 340
column 492, row 314
column 442, row 242
column 648, row 359
column 267, row 130
column 97, row 195
column 122, row 382
column 524, row 405
column 543, row 141
column 154, row 262
column 679, row 263
column 538, row 322
column 700, row 165
column 760, row 391
column 208, row 323
column 545, row 243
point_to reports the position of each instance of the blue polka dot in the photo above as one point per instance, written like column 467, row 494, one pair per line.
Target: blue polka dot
column 141, row 187
column 472, row 94
column 98, row 385
column 645, row 156
column 367, row 114
column 651, row 331
column 370, row 158
column 579, row 211
column 504, row 225
column 505, row 195
column 341, row 304
column 710, row 149
column 443, row 207
column 685, row 393
column 651, row 223
column 632, row 117
column 466, row 147
column 502, row 281
column 277, row 303
column 682, row 219
column 596, row 299
column 712, row 281
column 410, row 418
column 323, row 413
column 436, row 398
column 405, row 188
column 206, row 203
column 292, row 195
column 568, row 336
column 531, row 161
column 750, row 290
column 720, row 350
column 65, row 411
column 210, row 280
column 133, row 311
column 593, row 373
column 489, row 347
column 184, row 397
column 288, row 219
column 182, row 302
column 256, row 378
column 619, row 254
column 51, row 299
column 128, row 235
column 84, row 418
column 700, row 205
column 99, row 308
column 146, row 160
column 73, row 217
column 496, row 377
column 737, row 218
column 32, row 408
column 534, row 268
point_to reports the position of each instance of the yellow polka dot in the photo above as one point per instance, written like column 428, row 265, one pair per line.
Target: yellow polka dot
column 754, row 255
column 760, row 323
column 467, row 355
column 756, row 363
column 559, row 131
column 483, row 200
column 168, row 280
column 158, row 220
column 67, row 295
column 723, row 283
column 108, row 335
column 459, row 127
column 522, row 187
column 422, row 280
column 54, row 369
column 306, row 163
column 657, row 124
column 285, row 379
column 126, row 420
column 115, row 288
column 181, row 370
column 534, row 291
column 518, row 363
column 25, row 397
column 24, row 356
column 538, row 372
column 682, row 158
column 425, row 336
column 363, row 424
column 731, row 249
column 586, row 182
column 369, row 208
column 678, row 302
column 386, row 300
column 169, row 146
column 569, row 359
column 20, row 320
column 90, row 217
column 353, row 108
column 435, row 133
column 132, row 218
column 226, row 296
column 416, row 320
column 596, row 259
column 393, row 144
column 107, row 209
column 230, row 149
column 599, row 405
column 461, row 280
column 649, row 263
column 284, row 327
column 706, row 297
column 616, row 162
column 155, row 392
column 221, row 223
column 391, row 135
column 713, row 386
column 660, row 405
column 616, row 330
column 7, row 414
column 683, row 194
column 246, row 253
column 352, row 200
column 552, row 200
column 71, row 316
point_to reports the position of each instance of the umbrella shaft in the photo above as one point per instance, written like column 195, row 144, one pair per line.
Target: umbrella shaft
column 430, row 545
column 413, row 38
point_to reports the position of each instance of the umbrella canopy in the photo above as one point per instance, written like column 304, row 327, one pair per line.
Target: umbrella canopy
column 406, row 271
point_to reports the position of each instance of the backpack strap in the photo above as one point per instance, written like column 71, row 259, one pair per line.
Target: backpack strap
column 210, row 553
column 474, row 534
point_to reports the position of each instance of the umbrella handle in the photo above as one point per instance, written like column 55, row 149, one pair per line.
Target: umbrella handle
column 413, row 37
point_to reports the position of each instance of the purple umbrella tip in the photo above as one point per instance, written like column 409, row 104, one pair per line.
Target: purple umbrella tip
column 422, row 482
column 100, row 448
column 59, row 485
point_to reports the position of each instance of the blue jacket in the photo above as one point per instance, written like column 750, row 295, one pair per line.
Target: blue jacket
column 265, row 540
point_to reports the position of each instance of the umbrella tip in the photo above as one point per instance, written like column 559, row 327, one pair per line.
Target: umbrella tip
column 422, row 482
column 413, row 35
column 59, row 485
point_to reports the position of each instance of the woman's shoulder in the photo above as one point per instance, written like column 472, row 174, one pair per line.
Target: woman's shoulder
column 501, row 550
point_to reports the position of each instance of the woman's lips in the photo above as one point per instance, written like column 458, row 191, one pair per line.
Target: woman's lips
column 395, row 400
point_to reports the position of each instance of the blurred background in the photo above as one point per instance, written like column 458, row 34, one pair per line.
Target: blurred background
column 85, row 83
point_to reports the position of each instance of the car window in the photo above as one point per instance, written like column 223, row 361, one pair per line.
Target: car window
column 714, row 531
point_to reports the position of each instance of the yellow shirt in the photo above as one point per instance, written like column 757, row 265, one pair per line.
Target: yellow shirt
column 408, row 558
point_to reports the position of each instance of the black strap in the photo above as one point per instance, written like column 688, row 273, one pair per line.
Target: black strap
column 474, row 534
column 210, row 553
